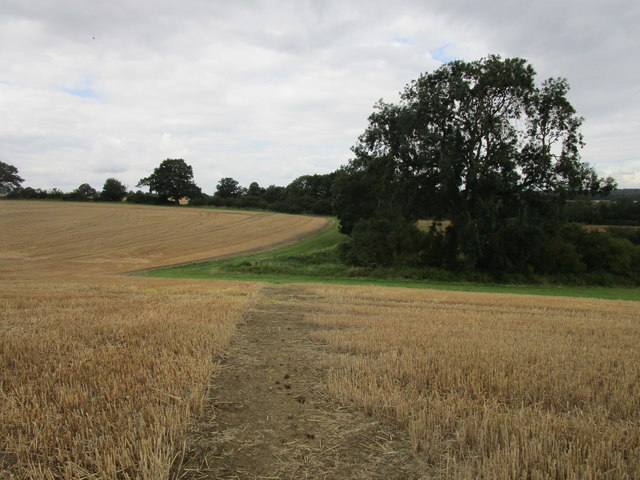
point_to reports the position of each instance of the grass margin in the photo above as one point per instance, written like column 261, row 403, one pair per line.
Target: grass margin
column 330, row 237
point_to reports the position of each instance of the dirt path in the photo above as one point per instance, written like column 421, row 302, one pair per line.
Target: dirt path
column 268, row 416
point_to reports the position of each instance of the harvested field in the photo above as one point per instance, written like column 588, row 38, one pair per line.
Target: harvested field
column 492, row 386
column 100, row 374
column 99, row 378
column 91, row 239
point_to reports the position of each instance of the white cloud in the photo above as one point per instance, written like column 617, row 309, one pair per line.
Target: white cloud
column 269, row 90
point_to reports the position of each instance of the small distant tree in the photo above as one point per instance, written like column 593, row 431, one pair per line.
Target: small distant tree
column 9, row 178
column 255, row 190
column 113, row 190
column 172, row 179
column 55, row 193
column 274, row 193
column 228, row 188
column 84, row 192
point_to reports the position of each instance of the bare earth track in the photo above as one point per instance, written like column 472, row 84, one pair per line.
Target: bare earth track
column 269, row 417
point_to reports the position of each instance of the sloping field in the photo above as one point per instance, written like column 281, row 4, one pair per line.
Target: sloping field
column 99, row 374
column 81, row 239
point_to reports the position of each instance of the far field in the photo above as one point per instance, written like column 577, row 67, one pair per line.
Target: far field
column 104, row 375
column 82, row 238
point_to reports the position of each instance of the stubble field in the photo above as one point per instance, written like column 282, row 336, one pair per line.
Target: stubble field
column 100, row 373
column 95, row 239
column 492, row 386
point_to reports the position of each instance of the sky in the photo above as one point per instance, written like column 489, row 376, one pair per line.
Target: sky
column 270, row 90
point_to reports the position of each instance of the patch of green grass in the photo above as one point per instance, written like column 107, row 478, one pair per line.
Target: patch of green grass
column 315, row 260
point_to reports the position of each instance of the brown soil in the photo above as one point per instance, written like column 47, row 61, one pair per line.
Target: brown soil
column 269, row 416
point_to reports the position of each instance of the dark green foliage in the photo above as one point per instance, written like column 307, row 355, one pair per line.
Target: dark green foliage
column 113, row 190
column 601, row 252
column 354, row 199
column 273, row 194
column 83, row 193
column 381, row 242
column 228, row 188
column 307, row 194
column 173, row 179
column 481, row 145
column 370, row 244
column 146, row 198
column 28, row 193
column 255, row 190
column 631, row 234
column 9, row 178
column 200, row 201
column 311, row 194
column 623, row 211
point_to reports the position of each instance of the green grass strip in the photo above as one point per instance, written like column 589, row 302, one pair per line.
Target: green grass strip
column 314, row 260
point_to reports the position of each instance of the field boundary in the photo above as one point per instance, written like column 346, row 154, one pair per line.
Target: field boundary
column 243, row 253
column 278, row 266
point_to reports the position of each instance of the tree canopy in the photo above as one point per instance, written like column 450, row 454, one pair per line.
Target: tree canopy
column 9, row 178
column 173, row 179
column 476, row 143
column 84, row 191
column 113, row 190
column 228, row 188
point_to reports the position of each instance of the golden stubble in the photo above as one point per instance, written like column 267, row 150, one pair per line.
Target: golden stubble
column 99, row 379
column 493, row 386
column 83, row 239
column 100, row 373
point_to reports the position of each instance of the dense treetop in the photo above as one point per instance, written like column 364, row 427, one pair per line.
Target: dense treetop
column 9, row 178
column 113, row 190
column 479, row 144
column 172, row 179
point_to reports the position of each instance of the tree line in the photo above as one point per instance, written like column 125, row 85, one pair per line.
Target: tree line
column 172, row 181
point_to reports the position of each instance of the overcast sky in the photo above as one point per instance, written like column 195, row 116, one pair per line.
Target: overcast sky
column 267, row 91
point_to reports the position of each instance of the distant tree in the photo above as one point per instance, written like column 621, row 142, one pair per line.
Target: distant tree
column 311, row 194
column 26, row 193
column 55, row 193
column 314, row 186
column 172, row 179
column 274, row 193
column 113, row 190
column 9, row 178
column 255, row 190
column 228, row 188
column 142, row 197
column 84, row 191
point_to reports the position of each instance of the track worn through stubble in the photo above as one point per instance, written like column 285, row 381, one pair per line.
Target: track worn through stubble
column 269, row 418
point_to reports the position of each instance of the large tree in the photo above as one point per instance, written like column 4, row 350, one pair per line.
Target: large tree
column 173, row 179
column 477, row 143
column 9, row 178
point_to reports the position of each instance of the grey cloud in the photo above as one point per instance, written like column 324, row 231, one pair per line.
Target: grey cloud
column 205, row 80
